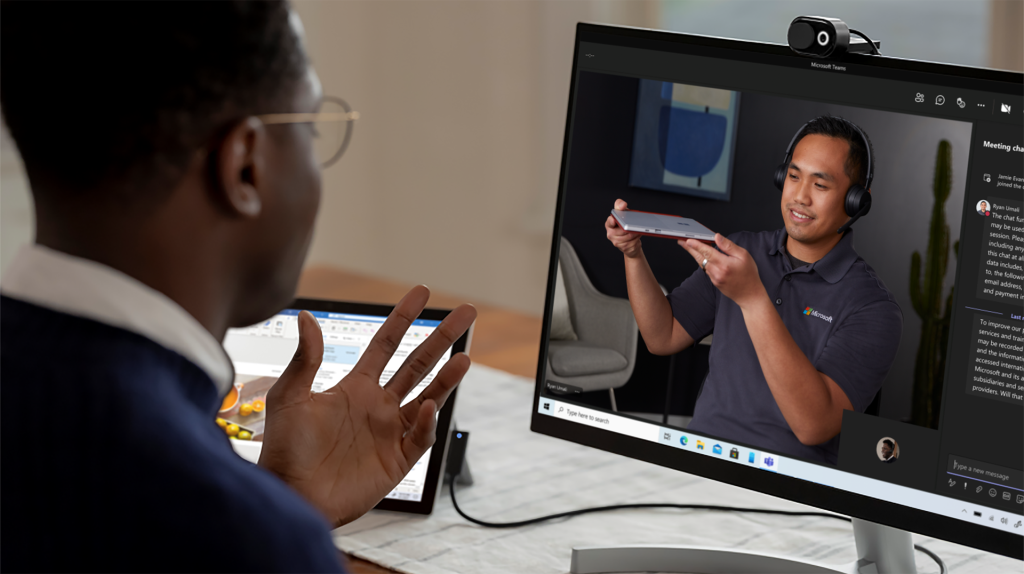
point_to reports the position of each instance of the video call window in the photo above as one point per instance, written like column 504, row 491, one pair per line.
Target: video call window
column 879, row 314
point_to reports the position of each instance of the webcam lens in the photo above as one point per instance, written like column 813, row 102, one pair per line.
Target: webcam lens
column 823, row 38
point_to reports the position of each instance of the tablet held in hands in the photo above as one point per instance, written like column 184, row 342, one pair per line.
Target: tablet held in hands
column 662, row 225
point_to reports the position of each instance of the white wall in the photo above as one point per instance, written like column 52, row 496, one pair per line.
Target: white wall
column 453, row 169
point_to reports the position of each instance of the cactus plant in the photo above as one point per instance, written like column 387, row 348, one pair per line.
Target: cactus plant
column 926, row 296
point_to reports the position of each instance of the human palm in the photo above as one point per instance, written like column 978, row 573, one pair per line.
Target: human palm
column 345, row 448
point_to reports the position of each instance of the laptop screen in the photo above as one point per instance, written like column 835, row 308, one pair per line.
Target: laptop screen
column 261, row 352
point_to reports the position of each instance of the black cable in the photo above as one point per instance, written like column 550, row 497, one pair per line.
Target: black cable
column 874, row 49
column 935, row 557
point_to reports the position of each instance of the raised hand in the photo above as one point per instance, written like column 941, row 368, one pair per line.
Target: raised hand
column 345, row 448
column 626, row 242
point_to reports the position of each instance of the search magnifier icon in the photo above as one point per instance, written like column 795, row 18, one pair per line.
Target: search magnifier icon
column 560, row 409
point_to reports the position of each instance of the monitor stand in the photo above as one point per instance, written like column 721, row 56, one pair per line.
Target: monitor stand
column 880, row 550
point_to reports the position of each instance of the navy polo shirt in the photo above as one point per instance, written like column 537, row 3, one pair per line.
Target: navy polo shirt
column 837, row 310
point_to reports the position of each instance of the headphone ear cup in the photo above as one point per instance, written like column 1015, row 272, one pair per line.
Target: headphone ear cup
column 780, row 175
column 857, row 199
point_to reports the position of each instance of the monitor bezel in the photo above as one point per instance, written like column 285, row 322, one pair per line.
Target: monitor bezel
column 797, row 490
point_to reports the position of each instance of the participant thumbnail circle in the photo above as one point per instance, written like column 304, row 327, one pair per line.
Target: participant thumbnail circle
column 983, row 207
column 887, row 450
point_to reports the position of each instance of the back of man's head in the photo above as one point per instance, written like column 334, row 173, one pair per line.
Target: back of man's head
column 106, row 96
column 856, row 167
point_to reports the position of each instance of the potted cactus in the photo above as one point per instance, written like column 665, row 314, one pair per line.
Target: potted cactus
column 926, row 295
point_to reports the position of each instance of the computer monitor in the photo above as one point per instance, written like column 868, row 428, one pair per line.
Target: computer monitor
column 876, row 373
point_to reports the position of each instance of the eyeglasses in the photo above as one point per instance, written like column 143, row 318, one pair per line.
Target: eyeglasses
column 332, row 127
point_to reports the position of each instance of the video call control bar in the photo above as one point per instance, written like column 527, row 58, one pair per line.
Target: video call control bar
column 821, row 81
column 738, row 454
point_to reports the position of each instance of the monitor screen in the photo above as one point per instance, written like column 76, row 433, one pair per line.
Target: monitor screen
column 261, row 352
column 877, row 372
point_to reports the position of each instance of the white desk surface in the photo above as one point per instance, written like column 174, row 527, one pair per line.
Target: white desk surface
column 520, row 474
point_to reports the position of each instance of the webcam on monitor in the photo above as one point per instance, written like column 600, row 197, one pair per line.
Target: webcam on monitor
column 824, row 37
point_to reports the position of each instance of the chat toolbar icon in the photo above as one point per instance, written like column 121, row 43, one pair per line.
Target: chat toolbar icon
column 939, row 100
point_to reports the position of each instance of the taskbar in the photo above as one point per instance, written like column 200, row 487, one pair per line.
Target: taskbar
column 787, row 466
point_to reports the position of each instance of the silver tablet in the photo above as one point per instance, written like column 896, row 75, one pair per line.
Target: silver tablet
column 661, row 225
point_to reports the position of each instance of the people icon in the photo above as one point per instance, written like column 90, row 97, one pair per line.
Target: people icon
column 887, row 450
column 983, row 208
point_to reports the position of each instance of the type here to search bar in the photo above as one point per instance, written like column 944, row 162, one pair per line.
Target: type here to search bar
column 598, row 419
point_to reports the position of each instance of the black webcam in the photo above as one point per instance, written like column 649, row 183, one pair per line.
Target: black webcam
column 823, row 37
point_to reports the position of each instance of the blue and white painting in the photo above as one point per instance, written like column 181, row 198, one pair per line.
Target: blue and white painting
column 684, row 139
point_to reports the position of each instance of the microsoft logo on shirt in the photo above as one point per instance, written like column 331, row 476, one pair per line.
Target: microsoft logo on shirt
column 813, row 313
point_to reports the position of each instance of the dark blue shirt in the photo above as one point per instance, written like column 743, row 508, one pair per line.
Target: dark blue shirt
column 112, row 461
column 839, row 313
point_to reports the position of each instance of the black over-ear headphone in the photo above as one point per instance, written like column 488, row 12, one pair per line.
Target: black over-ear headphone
column 858, row 200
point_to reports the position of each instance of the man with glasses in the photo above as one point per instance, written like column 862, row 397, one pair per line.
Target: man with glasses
column 172, row 151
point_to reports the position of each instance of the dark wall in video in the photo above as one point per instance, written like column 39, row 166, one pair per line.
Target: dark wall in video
column 599, row 172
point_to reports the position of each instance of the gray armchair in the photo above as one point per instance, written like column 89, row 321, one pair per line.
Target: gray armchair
column 605, row 354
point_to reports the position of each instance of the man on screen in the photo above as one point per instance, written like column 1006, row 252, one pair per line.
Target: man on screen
column 803, row 327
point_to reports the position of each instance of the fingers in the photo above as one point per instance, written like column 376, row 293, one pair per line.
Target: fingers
column 385, row 342
column 439, row 389
column 421, row 436
column 697, row 250
column 625, row 241
column 297, row 378
column 422, row 360
column 726, row 245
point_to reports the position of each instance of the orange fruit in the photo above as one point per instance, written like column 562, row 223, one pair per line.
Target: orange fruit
column 258, row 406
column 232, row 429
column 221, row 422
column 245, row 410
column 244, row 435
column 229, row 400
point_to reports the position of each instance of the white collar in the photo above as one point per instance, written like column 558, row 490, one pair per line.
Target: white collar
column 88, row 289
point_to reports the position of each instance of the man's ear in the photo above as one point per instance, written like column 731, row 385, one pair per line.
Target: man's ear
column 240, row 161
